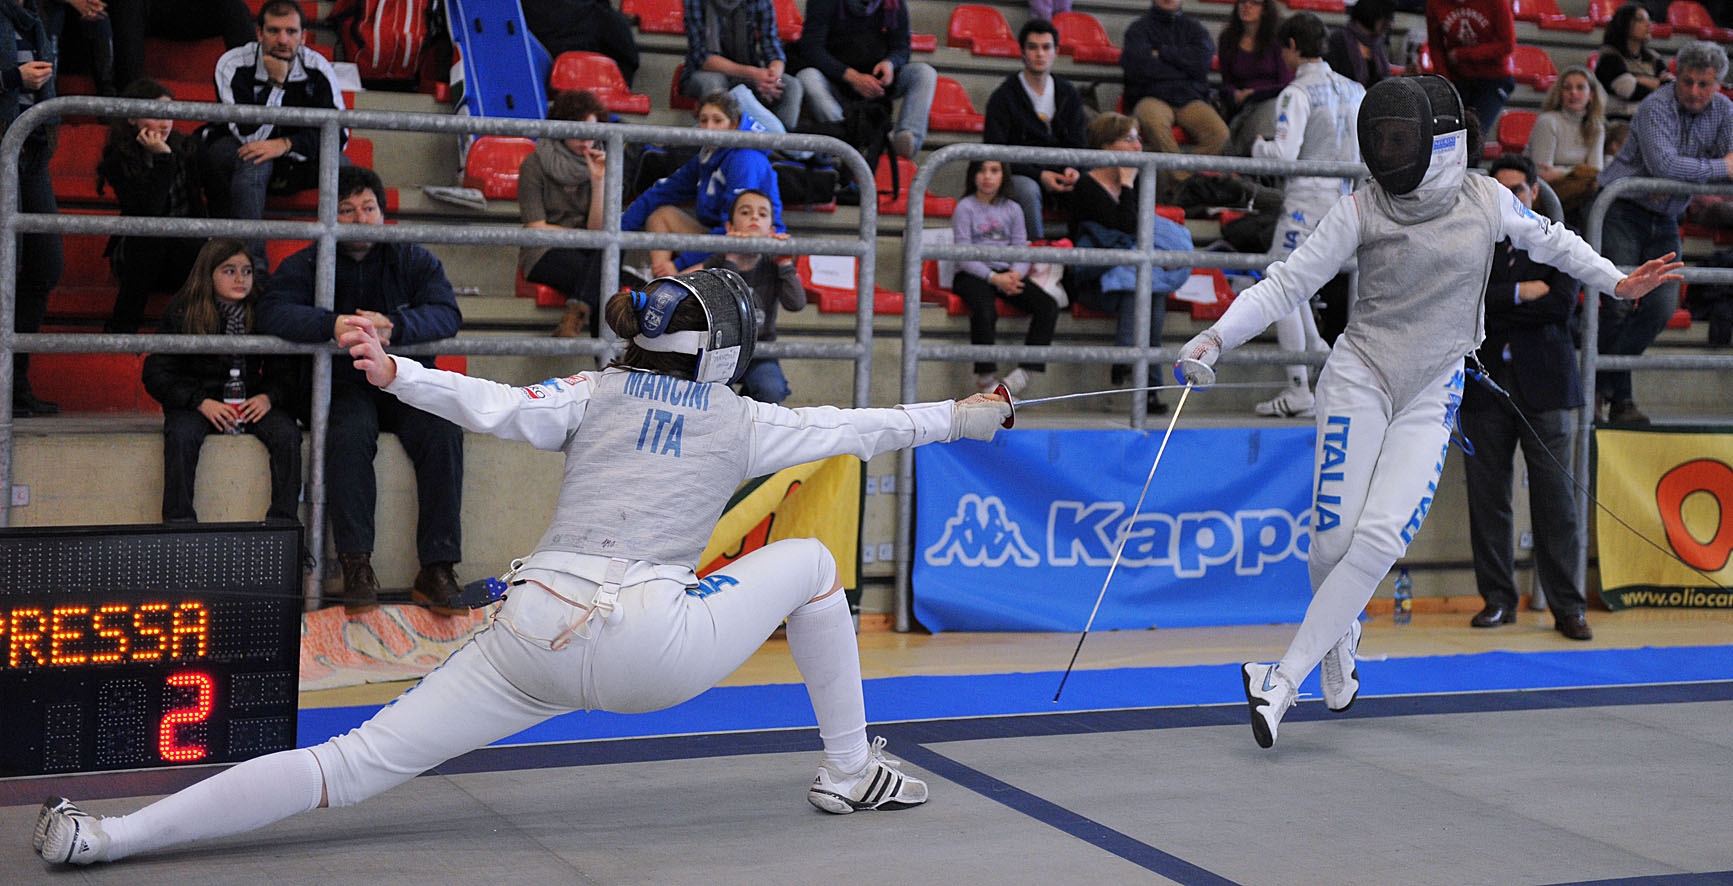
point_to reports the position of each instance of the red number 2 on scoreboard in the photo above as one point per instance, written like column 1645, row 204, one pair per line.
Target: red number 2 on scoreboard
column 168, row 740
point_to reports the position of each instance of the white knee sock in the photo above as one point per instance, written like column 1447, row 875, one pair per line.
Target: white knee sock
column 1291, row 336
column 251, row 795
column 821, row 638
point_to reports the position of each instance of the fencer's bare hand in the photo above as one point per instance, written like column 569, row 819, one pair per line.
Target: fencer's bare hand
column 265, row 150
column 1649, row 275
column 364, row 346
column 979, row 417
column 218, row 414
column 254, row 408
column 866, row 85
column 154, row 141
column 34, row 74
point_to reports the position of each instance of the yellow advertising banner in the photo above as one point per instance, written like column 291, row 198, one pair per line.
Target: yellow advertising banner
column 815, row 500
column 1675, row 488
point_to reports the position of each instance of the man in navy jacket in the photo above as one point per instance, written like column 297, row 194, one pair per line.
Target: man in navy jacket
column 1166, row 61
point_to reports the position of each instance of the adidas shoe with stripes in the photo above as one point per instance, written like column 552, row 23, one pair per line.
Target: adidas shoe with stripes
column 878, row 786
column 66, row 834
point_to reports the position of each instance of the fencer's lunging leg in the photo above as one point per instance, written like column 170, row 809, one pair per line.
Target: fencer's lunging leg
column 250, row 795
column 822, row 640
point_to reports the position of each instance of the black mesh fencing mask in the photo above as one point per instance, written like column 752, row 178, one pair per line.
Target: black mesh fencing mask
column 1398, row 120
column 724, row 347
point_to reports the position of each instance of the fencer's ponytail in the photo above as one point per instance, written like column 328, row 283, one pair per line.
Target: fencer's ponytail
column 622, row 316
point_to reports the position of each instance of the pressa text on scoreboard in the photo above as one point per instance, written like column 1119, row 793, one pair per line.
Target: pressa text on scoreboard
column 72, row 635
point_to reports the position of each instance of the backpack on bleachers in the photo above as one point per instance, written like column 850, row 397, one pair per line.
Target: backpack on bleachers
column 389, row 41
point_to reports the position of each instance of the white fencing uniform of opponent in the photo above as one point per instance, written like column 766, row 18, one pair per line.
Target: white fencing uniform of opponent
column 1389, row 390
column 1314, row 121
column 650, row 463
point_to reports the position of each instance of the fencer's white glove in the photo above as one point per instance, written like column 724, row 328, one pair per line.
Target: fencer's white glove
column 1197, row 359
column 979, row 417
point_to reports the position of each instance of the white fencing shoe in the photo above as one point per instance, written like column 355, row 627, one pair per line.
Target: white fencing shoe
column 1338, row 675
column 877, row 786
column 66, row 834
column 1269, row 695
column 1292, row 402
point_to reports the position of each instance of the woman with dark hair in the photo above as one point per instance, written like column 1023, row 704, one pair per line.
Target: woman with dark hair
column 1252, row 73
column 558, row 189
column 218, row 299
column 1626, row 67
column 607, row 612
column 1359, row 49
column 155, row 171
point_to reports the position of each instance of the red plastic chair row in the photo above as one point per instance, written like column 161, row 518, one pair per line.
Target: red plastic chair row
column 492, row 165
column 841, row 298
column 1082, row 37
column 600, row 75
column 952, row 111
column 982, row 30
column 1546, row 14
column 1690, row 17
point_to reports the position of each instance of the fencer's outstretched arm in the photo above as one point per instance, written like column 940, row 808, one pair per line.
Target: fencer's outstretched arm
column 1554, row 244
column 783, row 437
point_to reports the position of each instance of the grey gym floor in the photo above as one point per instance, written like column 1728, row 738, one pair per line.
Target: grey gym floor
column 1619, row 784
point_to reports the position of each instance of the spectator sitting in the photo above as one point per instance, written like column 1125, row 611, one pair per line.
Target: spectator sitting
column 558, row 189
column 1166, row 61
column 155, row 171
column 584, row 26
column 219, row 299
column 1626, row 67
column 1473, row 43
column 1252, row 73
column 713, row 179
column 1568, row 141
column 1103, row 210
column 858, row 50
column 1037, row 109
column 277, row 70
column 400, row 291
column 1359, row 49
column 1682, row 131
column 1528, row 352
column 733, row 42
column 27, row 77
column 774, row 282
column 134, row 20
column 985, row 218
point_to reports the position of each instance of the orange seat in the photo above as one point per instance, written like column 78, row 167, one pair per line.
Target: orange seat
column 836, row 298
column 1534, row 67
column 952, row 111
column 600, row 75
column 492, row 165
column 789, row 24
column 656, row 16
column 982, row 30
column 924, row 42
column 1514, row 127
column 896, row 201
column 1690, row 17
column 1082, row 37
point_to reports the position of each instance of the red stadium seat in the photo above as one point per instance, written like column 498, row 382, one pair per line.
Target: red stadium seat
column 1224, row 296
column 931, row 291
column 1547, row 15
column 600, row 75
column 897, row 203
column 1082, row 37
column 952, row 111
column 93, row 382
column 1534, row 67
column 1336, row 6
column 187, row 60
column 678, row 100
column 982, row 30
column 545, row 296
column 73, row 166
column 839, row 296
column 789, row 24
column 1689, row 16
column 924, row 42
column 1514, row 127
column 492, row 165
column 656, row 16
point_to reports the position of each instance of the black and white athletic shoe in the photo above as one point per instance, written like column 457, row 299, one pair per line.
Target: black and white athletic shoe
column 880, row 785
column 1337, row 673
column 66, row 834
column 1269, row 695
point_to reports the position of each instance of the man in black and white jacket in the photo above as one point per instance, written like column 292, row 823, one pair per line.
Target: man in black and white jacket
column 276, row 70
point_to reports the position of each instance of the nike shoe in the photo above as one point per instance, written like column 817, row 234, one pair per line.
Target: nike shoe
column 1293, row 402
column 66, row 834
column 1339, row 676
column 877, row 786
column 1269, row 695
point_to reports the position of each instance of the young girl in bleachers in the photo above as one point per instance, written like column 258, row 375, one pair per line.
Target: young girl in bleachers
column 218, row 298
column 985, row 216
column 155, row 171
column 775, row 284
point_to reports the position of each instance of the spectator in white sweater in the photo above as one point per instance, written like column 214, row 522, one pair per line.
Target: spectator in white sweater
column 1568, row 142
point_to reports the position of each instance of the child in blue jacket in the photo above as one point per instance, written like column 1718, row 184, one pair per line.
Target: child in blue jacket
column 713, row 179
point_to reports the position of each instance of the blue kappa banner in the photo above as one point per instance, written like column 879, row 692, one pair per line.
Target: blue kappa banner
column 1018, row 534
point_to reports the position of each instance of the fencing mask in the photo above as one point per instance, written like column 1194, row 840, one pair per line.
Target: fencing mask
column 724, row 346
column 1399, row 119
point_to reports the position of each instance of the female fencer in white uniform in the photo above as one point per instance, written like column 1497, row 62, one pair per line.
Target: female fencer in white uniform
column 606, row 613
column 1423, row 233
